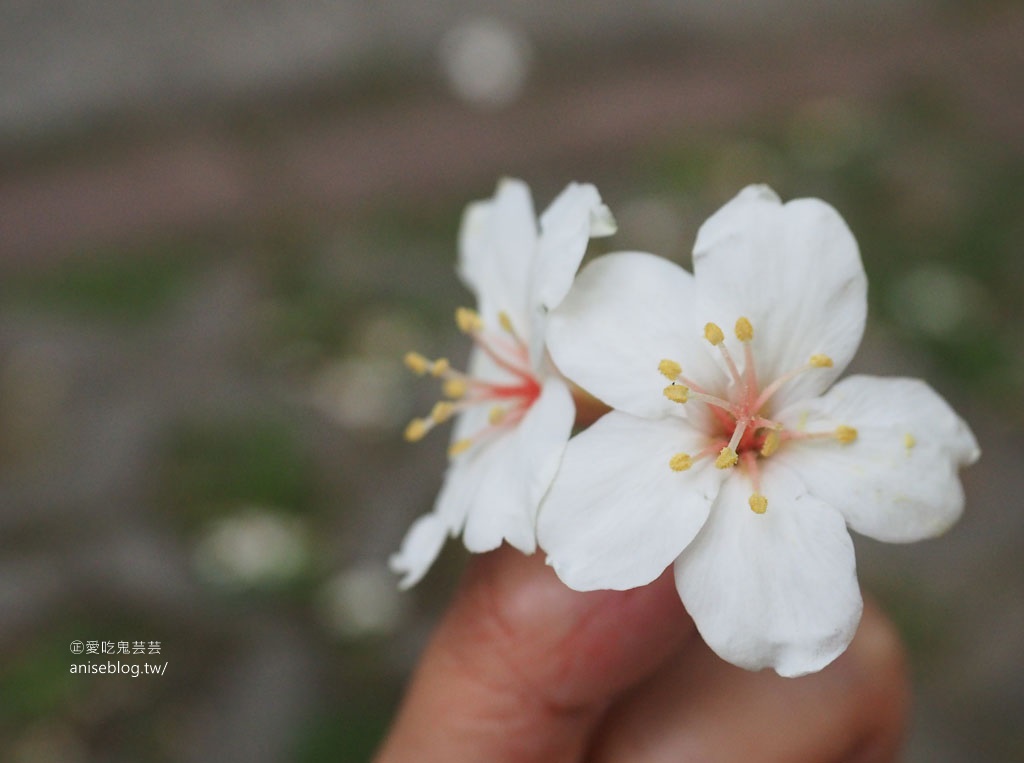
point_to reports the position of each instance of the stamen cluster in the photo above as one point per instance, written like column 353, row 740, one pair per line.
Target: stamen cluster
column 508, row 400
column 744, row 433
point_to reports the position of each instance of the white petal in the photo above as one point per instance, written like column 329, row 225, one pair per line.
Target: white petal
column 506, row 478
column 464, row 474
column 419, row 549
column 482, row 498
column 497, row 249
column 777, row 589
column 794, row 271
column 500, row 508
column 886, row 485
column 617, row 515
column 566, row 226
column 543, row 435
column 467, row 473
column 624, row 315
column 458, row 491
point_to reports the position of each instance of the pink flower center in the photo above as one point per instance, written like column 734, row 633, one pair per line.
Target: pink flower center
column 742, row 434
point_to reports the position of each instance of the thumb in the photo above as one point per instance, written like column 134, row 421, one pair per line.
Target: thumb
column 521, row 667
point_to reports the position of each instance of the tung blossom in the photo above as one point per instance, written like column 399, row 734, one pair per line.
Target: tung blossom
column 513, row 412
column 729, row 453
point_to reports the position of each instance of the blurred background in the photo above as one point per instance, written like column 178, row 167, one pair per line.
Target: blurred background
column 222, row 223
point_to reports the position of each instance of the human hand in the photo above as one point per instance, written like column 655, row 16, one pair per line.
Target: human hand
column 524, row 669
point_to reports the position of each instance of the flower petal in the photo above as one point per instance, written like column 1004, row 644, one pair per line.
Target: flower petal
column 458, row 491
column 794, row 271
column 777, row 589
column 566, row 226
column 464, row 474
column 511, row 474
column 624, row 315
column 497, row 248
column 617, row 514
column 419, row 549
column 898, row 480
column 543, row 435
column 499, row 509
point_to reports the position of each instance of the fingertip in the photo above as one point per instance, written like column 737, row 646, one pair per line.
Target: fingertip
column 700, row 707
column 518, row 650
column 878, row 660
column 575, row 647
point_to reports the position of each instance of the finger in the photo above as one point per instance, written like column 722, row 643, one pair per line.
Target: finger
column 702, row 708
column 521, row 667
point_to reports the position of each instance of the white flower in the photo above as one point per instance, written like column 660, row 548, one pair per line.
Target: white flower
column 744, row 471
column 514, row 412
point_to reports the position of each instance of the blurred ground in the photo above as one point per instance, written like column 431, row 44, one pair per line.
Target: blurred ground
column 221, row 225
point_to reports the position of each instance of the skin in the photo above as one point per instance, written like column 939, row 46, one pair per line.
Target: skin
column 523, row 669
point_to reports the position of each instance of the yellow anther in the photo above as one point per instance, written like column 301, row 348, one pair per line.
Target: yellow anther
column 677, row 393
column 442, row 411
column 726, row 458
column 496, row 415
column 670, row 369
column 440, row 367
column 416, row 430
column 468, row 320
column 506, row 322
column 453, row 388
column 459, row 446
column 417, row 363
column 713, row 333
column 744, row 331
column 680, row 462
column 758, row 503
column 846, row 434
column 909, row 441
column 770, row 444
column 820, row 361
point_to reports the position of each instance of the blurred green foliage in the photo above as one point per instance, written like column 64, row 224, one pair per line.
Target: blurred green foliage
column 39, row 682
column 123, row 285
column 213, row 465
